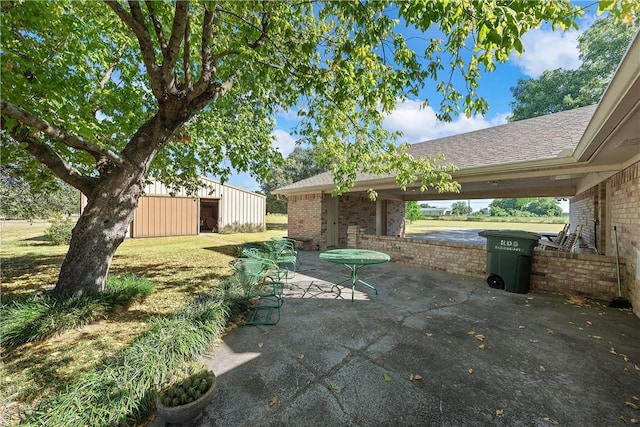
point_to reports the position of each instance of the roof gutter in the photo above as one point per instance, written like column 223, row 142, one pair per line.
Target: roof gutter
column 518, row 170
column 536, row 168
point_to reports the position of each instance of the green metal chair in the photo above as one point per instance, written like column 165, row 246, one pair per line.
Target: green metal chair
column 280, row 260
column 284, row 250
column 260, row 278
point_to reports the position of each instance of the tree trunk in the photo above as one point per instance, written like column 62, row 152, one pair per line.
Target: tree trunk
column 99, row 232
column 110, row 207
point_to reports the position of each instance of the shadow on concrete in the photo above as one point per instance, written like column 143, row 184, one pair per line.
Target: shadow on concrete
column 431, row 349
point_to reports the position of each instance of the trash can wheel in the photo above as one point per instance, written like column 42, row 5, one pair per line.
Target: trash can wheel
column 495, row 281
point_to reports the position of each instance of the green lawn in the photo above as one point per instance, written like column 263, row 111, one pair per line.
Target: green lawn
column 179, row 267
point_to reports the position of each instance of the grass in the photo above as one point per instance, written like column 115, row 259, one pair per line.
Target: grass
column 41, row 316
column 123, row 389
column 498, row 219
column 179, row 268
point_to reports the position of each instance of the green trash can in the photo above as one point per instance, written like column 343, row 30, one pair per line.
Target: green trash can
column 509, row 258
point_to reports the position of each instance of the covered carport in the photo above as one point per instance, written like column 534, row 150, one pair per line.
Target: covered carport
column 522, row 159
column 590, row 155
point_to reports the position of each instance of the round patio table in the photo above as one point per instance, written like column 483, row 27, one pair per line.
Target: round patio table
column 354, row 260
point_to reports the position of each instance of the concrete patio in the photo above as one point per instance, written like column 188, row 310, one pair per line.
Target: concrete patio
column 431, row 348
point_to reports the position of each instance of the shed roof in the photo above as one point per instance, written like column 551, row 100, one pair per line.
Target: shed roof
column 208, row 188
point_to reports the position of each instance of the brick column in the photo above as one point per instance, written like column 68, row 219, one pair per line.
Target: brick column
column 354, row 235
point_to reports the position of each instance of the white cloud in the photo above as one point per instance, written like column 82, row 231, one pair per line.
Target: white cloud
column 284, row 142
column 419, row 123
column 548, row 50
column 290, row 115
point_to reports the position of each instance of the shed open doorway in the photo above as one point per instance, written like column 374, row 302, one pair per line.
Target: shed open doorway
column 209, row 215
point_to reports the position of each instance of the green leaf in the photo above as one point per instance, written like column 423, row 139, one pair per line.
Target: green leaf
column 601, row 48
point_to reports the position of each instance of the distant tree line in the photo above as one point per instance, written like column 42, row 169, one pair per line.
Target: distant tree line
column 523, row 207
column 19, row 200
column 533, row 206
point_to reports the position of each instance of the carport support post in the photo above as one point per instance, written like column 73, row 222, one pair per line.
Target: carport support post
column 354, row 234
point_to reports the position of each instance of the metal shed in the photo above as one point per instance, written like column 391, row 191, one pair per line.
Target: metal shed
column 216, row 208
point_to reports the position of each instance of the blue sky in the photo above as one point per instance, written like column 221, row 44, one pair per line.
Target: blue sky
column 544, row 50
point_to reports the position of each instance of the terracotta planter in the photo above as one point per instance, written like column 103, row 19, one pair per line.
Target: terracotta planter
column 183, row 413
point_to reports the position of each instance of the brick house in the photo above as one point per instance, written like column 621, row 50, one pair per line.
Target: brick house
column 590, row 155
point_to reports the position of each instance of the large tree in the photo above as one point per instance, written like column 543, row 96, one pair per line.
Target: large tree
column 298, row 165
column 105, row 95
column 601, row 49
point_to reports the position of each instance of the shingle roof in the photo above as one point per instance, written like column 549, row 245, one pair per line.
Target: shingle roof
column 539, row 138
column 543, row 137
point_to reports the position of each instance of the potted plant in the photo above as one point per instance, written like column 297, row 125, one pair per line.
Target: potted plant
column 186, row 394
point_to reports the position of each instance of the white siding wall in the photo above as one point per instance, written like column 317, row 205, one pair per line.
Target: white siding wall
column 210, row 189
column 241, row 207
column 236, row 205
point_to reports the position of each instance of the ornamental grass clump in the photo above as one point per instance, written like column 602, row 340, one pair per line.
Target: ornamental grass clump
column 41, row 316
column 123, row 390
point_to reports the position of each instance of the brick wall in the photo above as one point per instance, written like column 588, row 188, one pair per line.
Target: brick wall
column 602, row 215
column 359, row 211
column 583, row 274
column 308, row 217
column 458, row 258
column 583, row 211
column 395, row 218
column 305, row 217
column 625, row 215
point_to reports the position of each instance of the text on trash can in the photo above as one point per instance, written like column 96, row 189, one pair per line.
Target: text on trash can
column 508, row 245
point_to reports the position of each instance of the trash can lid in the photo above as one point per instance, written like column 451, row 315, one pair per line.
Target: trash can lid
column 513, row 234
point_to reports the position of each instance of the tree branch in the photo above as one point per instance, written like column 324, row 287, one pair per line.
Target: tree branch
column 208, row 60
column 53, row 161
column 180, row 21
column 263, row 36
column 263, row 30
column 157, row 26
column 60, row 167
column 210, row 19
column 186, row 57
column 135, row 21
column 206, row 79
column 241, row 19
column 114, row 62
column 26, row 118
